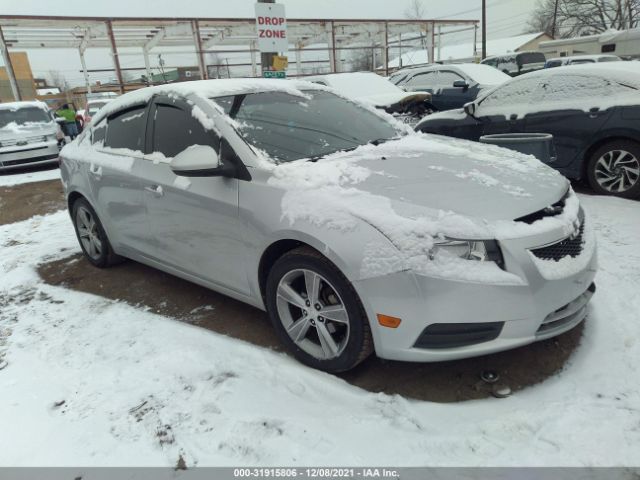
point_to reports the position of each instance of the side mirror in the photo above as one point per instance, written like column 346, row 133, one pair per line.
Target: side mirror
column 460, row 84
column 470, row 108
column 199, row 161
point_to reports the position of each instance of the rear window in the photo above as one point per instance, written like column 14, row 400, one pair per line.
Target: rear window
column 126, row 129
column 530, row 58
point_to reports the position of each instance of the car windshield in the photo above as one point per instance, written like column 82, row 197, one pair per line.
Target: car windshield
column 289, row 127
column 530, row 58
column 23, row 116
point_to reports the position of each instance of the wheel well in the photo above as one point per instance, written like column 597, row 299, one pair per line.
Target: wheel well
column 73, row 196
column 269, row 257
column 597, row 145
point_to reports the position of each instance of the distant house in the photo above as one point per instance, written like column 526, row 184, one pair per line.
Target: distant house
column 624, row 43
column 465, row 52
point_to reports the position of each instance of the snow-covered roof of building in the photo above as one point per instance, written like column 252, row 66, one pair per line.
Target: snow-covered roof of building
column 465, row 51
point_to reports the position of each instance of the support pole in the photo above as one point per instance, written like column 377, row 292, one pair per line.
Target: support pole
column 147, row 65
column 84, row 70
column 385, row 49
column 114, row 53
column 254, row 61
column 266, row 58
column 439, row 42
column 484, row 29
column 298, row 59
column 332, row 51
column 430, row 37
column 9, row 67
column 195, row 26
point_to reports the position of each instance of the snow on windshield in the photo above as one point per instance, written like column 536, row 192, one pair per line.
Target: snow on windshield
column 483, row 74
column 17, row 116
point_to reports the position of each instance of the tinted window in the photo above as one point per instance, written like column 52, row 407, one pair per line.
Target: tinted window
column 427, row 78
column 22, row 116
column 516, row 92
column 446, row 78
column 290, row 127
column 225, row 102
column 126, row 129
column 99, row 132
column 175, row 130
column 560, row 88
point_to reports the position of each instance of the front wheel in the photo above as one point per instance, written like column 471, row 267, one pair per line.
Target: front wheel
column 91, row 235
column 316, row 312
column 614, row 169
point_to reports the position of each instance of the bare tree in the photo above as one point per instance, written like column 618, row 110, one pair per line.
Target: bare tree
column 362, row 60
column 415, row 10
column 57, row 79
column 584, row 17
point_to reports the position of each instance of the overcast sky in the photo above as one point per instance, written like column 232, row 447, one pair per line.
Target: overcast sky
column 505, row 18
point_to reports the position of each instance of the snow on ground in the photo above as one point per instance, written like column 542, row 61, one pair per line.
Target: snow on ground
column 91, row 381
column 15, row 178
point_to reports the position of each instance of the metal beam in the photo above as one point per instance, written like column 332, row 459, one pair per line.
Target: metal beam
column 195, row 27
column 147, row 65
column 114, row 53
column 84, row 70
column 9, row 67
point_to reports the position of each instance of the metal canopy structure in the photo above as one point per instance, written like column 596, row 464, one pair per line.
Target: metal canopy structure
column 203, row 34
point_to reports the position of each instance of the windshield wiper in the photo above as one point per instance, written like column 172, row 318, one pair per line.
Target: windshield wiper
column 315, row 158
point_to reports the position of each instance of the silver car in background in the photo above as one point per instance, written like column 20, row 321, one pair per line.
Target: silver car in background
column 29, row 135
column 355, row 234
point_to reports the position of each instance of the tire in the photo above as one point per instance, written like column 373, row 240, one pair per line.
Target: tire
column 614, row 169
column 91, row 236
column 296, row 313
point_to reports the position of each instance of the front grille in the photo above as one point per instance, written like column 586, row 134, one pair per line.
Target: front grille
column 25, row 161
column 569, row 247
column 550, row 211
column 24, row 141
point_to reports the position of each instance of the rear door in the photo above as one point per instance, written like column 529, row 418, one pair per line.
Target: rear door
column 194, row 220
column 114, row 176
column 450, row 97
column 566, row 109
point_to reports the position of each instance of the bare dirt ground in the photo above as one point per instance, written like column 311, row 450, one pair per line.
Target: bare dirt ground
column 140, row 285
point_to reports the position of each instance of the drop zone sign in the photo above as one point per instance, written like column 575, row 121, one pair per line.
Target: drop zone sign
column 271, row 25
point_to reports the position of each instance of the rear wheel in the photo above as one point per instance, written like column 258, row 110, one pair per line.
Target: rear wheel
column 614, row 169
column 316, row 312
column 91, row 235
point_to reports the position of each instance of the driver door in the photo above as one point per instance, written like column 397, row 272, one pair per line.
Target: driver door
column 193, row 221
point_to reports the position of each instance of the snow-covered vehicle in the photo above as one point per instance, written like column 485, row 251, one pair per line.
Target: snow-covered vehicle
column 580, row 59
column 515, row 64
column 29, row 135
column 380, row 93
column 353, row 232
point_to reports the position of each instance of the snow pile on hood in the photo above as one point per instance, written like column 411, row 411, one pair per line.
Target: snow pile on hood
column 333, row 182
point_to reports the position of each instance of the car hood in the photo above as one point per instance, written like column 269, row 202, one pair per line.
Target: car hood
column 423, row 175
column 389, row 99
column 17, row 132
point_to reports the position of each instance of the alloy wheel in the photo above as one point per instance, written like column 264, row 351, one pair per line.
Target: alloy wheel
column 617, row 171
column 313, row 314
column 88, row 233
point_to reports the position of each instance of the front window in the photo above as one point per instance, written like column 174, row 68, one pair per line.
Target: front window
column 531, row 58
column 23, row 116
column 289, row 127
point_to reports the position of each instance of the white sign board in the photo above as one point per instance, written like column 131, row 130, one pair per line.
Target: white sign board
column 271, row 25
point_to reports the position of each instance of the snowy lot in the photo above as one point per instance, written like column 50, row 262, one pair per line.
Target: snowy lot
column 90, row 381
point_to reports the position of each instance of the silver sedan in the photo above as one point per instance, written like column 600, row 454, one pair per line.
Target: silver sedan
column 353, row 233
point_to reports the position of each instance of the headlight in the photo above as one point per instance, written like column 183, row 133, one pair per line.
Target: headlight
column 477, row 250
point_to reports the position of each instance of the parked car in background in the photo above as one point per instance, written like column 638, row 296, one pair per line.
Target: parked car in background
column 354, row 234
column 580, row 59
column 516, row 64
column 592, row 111
column 451, row 86
column 29, row 135
column 378, row 92
column 91, row 108
column 399, row 75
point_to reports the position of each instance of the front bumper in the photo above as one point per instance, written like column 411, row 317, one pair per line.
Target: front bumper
column 509, row 316
column 29, row 155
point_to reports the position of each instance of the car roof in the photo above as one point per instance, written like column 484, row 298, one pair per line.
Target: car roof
column 622, row 72
column 207, row 89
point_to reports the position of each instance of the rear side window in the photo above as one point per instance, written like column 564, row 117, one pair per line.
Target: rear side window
column 99, row 132
column 427, row 78
column 126, row 129
column 175, row 130
column 514, row 94
column 447, row 77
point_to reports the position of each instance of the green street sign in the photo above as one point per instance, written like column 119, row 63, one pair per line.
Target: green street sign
column 274, row 74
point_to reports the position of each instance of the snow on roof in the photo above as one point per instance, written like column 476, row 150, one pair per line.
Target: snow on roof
column 358, row 83
column 208, row 89
column 498, row 46
column 17, row 105
column 483, row 74
column 622, row 72
column 605, row 37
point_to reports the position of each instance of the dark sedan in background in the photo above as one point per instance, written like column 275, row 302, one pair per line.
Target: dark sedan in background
column 451, row 86
column 592, row 111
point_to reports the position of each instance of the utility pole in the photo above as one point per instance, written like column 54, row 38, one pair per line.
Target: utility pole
column 9, row 68
column 266, row 59
column 555, row 16
column 484, row 29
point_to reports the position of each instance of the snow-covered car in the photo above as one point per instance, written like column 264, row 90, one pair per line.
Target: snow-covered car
column 378, row 92
column 452, row 86
column 28, row 135
column 518, row 63
column 92, row 106
column 353, row 232
column 580, row 59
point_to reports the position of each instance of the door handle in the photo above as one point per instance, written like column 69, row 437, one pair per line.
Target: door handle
column 155, row 189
